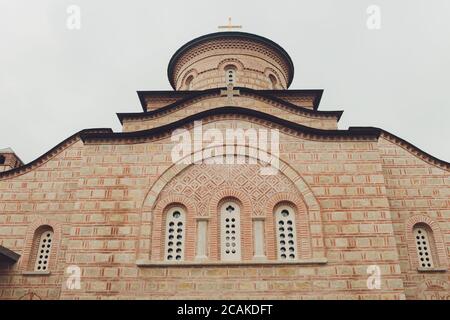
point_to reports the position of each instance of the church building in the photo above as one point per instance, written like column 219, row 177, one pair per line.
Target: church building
column 230, row 186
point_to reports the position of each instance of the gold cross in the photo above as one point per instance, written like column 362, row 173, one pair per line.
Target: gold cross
column 230, row 92
column 230, row 26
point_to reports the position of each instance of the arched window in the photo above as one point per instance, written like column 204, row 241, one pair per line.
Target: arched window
column 175, row 234
column 2, row 159
column 423, row 239
column 188, row 82
column 286, row 233
column 43, row 242
column 230, row 231
column 273, row 81
column 230, row 75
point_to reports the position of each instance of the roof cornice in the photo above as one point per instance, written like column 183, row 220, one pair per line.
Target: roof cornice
column 352, row 132
column 52, row 152
column 106, row 134
column 265, row 94
column 358, row 132
column 143, row 94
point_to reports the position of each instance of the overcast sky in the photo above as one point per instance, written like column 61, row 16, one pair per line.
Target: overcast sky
column 55, row 81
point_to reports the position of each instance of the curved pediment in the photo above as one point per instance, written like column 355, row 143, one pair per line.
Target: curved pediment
column 103, row 135
column 247, row 98
column 231, row 112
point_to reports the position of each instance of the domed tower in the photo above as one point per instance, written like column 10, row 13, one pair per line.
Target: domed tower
column 226, row 69
column 242, row 59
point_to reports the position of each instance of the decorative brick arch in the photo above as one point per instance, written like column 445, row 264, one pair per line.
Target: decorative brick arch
column 159, row 222
column 271, row 71
column 191, row 72
column 32, row 239
column 304, row 192
column 302, row 225
column 436, row 236
column 230, row 61
column 246, row 222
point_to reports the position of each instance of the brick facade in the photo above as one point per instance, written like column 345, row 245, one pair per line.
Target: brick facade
column 356, row 198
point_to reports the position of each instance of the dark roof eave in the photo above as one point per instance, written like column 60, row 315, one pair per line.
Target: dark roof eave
column 52, row 150
column 293, row 92
column 8, row 256
column 354, row 132
column 231, row 110
column 404, row 142
column 269, row 94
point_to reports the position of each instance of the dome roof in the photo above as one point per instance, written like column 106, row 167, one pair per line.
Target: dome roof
column 281, row 54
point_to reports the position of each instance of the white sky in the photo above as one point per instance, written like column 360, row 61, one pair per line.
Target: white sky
column 55, row 81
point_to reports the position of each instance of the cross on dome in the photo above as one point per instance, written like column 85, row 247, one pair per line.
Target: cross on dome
column 230, row 26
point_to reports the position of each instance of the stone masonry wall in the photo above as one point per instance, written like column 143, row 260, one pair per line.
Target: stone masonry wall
column 418, row 192
column 100, row 219
column 41, row 196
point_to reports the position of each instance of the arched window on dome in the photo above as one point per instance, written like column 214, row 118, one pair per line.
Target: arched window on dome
column 285, row 233
column 230, row 75
column 273, row 82
column 175, row 234
column 424, row 240
column 188, row 82
column 230, row 231
column 42, row 248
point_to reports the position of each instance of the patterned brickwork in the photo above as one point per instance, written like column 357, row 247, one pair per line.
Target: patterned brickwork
column 100, row 190
column 102, row 224
column 41, row 196
column 418, row 192
column 356, row 200
column 202, row 183
column 251, row 102
column 254, row 61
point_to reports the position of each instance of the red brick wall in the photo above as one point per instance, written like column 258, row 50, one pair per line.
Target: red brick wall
column 418, row 191
column 100, row 195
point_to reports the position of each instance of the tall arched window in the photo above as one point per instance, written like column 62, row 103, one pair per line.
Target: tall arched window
column 175, row 234
column 43, row 242
column 230, row 231
column 423, row 240
column 230, row 74
column 286, row 233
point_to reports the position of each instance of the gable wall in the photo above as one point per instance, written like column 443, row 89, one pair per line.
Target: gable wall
column 416, row 188
column 100, row 213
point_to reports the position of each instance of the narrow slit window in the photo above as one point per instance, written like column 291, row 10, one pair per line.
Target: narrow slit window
column 230, row 74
